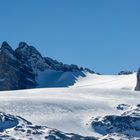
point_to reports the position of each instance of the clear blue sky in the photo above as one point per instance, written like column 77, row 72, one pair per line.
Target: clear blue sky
column 103, row 35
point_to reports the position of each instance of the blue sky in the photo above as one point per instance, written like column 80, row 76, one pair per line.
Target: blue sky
column 103, row 35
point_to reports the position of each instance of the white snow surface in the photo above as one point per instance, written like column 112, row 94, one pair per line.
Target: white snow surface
column 107, row 81
column 70, row 109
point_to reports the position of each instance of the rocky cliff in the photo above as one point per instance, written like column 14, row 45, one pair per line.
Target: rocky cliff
column 138, row 81
column 20, row 68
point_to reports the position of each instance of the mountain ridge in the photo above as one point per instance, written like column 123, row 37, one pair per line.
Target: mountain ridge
column 20, row 68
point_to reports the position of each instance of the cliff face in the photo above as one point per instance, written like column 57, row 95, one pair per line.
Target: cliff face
column 14, row 74
column 138, row 81
column 19, row 68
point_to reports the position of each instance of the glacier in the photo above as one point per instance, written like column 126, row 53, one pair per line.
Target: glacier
column 73, row 110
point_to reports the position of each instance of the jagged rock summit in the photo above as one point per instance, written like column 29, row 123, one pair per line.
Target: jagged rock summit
column 25, row 68
column 28, row 55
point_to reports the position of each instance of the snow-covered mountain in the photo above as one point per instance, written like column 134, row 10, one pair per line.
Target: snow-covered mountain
column 25, row 68
column 92, row 107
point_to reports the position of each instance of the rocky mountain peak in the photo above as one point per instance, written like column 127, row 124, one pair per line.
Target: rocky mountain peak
column 24, row 51
column 30, row 56
column 6, row 47
column 24, row 47
column 23, row 44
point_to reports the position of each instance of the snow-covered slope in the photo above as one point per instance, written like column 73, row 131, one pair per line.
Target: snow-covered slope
column 75, row 109
column 107, row 81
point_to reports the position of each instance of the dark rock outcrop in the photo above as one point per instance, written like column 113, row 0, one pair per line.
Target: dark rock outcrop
column 126, row 124
column 91, row 71
column 137, row 88
column 125, row 72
